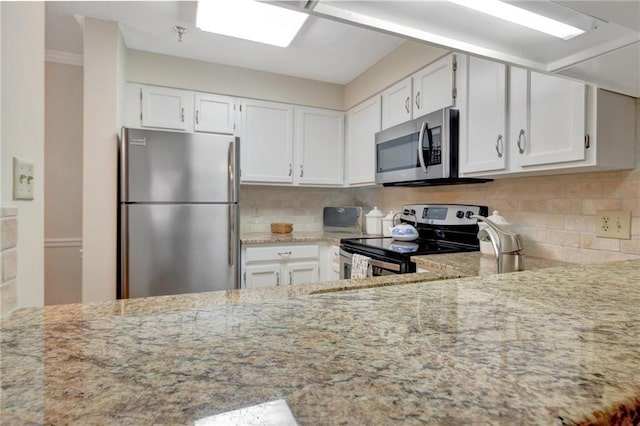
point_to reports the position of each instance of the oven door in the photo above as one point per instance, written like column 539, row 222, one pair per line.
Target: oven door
column 378, row 267
column 412, row 151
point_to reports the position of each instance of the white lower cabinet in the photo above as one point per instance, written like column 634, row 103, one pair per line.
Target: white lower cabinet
column 267, row 265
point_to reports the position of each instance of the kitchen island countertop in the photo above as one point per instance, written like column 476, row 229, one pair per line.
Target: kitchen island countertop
column 553, row 346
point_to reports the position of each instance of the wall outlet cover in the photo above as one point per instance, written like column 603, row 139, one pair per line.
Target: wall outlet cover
column 22, row 179
column 613, row 224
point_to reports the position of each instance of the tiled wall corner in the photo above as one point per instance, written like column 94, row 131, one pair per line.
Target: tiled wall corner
column 8, row 259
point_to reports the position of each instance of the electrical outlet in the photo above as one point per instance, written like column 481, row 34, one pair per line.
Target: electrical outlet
column 22, row 179
column 613, row 224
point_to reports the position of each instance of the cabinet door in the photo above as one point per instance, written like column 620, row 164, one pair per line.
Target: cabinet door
column 266, row 142
column 363, row 122
column 319, row 146
column 302, row 272
column 433, row 87
column 556, row 121
column 483, row 146
column 518, row 133
column 165, row 108
column 264, row 275
column 213, row 113
column 396, row 104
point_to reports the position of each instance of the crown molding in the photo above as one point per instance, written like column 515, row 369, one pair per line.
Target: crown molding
column 62, row 57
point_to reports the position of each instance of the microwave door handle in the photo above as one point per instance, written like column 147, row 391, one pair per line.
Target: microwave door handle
column 423, row 130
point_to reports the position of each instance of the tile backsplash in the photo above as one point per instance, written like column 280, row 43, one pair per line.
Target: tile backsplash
column 262, row 205
column 8, row 259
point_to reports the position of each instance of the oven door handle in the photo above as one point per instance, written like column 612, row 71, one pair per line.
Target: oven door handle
column 385, row 265
column 423, row 130
column 374, row 262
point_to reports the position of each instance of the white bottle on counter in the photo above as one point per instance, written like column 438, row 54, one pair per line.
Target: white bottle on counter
column 486, row 247
column 387, row 224
column 374, row 221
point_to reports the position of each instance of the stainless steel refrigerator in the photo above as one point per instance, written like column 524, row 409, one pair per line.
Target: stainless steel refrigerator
column 179, row 213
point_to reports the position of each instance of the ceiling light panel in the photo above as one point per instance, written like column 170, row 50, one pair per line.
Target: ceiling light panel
column 522, row 17
column 250, row 20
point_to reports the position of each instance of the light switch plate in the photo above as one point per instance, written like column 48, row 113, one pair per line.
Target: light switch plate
column 613, row 224
column 22, row 179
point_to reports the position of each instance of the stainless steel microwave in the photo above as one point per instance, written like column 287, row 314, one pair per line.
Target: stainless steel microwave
column 420, row 152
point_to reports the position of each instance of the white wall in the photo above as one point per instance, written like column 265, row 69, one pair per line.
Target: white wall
column 402, row 62
column 171, row 71
column 23, row 135
column 63, row 174
column 102, row 109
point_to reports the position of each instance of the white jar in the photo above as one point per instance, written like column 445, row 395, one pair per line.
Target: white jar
column 387, row 224
column 486, row 247
column 374, row 222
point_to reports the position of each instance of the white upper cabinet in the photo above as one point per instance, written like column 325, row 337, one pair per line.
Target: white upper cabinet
column 397, row 106
column 319, row 146
column 266, row 142
column 557, row 125
column 434, row 86
column 213, row 113
column 483, row 119
column 165, row 108
column 363, row 122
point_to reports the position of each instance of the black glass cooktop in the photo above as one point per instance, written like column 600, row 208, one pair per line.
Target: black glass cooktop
column 387, row 246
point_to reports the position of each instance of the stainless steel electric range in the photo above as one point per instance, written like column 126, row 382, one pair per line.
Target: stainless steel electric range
column 442, row 228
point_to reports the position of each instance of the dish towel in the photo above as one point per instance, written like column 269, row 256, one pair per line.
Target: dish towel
column 360, row 266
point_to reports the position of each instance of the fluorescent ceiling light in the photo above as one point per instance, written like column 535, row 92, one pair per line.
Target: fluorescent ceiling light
column 250, row 20
column 522, row 17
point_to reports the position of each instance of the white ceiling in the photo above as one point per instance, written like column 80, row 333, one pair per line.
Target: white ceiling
column 324, row 50
column 611, row 26
column 343, row 38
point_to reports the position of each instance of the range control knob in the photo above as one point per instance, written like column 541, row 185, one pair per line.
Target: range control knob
column 469, row 213
column 459, row 214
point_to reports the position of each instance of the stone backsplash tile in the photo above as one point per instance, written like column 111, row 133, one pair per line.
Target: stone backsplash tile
column 9, row 233
column 8, row 297
column 9, row 264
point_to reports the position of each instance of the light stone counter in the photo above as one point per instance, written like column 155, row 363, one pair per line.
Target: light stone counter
column 476, row 263
column 553, row 346
column 295, row 237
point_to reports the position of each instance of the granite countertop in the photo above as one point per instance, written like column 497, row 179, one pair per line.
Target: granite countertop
column 295, row 237
column 553, row 346
column 476, row 263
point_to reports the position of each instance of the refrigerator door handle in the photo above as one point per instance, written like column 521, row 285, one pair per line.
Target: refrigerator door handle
column 231, row 198
column 230, row 243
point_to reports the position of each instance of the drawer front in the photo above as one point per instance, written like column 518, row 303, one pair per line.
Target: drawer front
column 276, row 253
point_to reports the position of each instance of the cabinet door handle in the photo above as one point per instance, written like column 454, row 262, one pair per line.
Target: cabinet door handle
column 290, row 277
column 418, row 100
column 290, row 169
column 197, row 116
column 182, row 114
column 499, row 146
column 284, row 253
column 277, row 278
column 406, row 104
column 520, row 141
column 301, row 170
